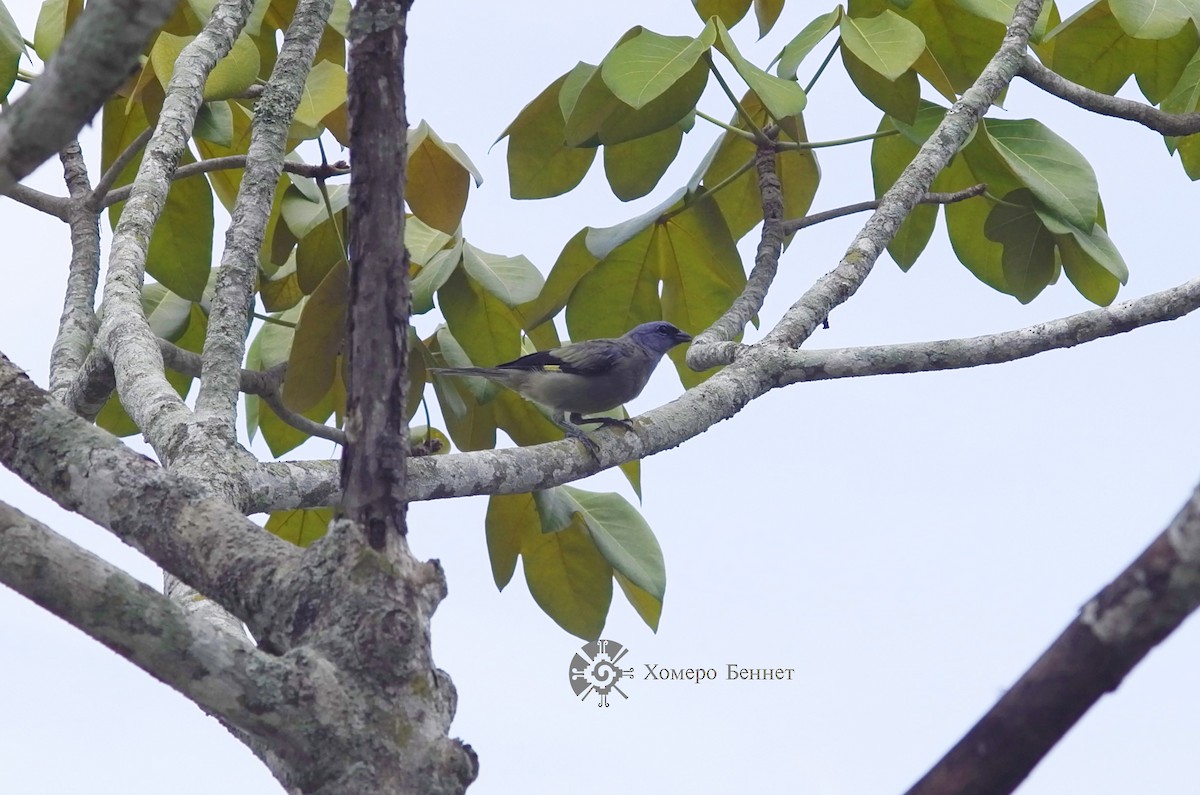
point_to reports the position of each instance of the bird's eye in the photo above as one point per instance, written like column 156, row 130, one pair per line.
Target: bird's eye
column 664, row 329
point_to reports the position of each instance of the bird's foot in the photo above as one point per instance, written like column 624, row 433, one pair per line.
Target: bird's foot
column 581, row 435
column 603, row 422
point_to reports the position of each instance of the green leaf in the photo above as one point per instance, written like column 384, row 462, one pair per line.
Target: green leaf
column 324, row 92
column 889, row 157
column 472, row 424
column 958, row 43
column 12, row 47
column 180, row 252
column 1089, row 49
column 730, row 12
column 623, row 538
column 1028, row 258
column 439, row 176
column 569, row 579
column 282, row 290
column 702, row 274
column 487, row 329
column 887, row 44
column 233, row 74
column 430, row 278
column 303, row 213
column 514, row 280
column 300, row 527
column 270, row 346
column 312, row 364
column 766, row 12
column 1152, row 19
column 619, row 293
column 1059, row 176
column 965, row 223
column 540, row 164
column 508, row 516
column 634, row 168
column 54, row 18
column 798, row 48
column 1159, row 64
column 1090, row 260
column 647, row 605
column 646, row 64
column 899, row 99
column 597, row 116
column 573, row 263
column 782, row 98
column 319, row 252
column 214, row 123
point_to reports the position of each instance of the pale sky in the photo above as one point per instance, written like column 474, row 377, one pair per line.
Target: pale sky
column 907, row 544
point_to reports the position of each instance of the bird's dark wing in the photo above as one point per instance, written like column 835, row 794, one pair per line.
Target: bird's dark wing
column 592, row 357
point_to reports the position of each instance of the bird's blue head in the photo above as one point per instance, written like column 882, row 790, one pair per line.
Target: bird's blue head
column 658, row 336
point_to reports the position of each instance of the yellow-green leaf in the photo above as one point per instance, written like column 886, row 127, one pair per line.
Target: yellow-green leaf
column 540, row 164
column 569, row 579
column 795, row 50
column 301, row 527
column 324, row 92
column 634, row 168
column 888, row 43
column 728, row 11
column 646, row 64
column 54, row 19
column 439, row 176
column 782, row 98
column 312, row 364
column 648, row 606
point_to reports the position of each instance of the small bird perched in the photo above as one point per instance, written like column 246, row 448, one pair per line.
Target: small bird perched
column 584, row 377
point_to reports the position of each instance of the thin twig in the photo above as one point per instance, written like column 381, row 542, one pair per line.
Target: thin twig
column 850, row 209
column 114, row 170
column 302, row 423
column 317, row 171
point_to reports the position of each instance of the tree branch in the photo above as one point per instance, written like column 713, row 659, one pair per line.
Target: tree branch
column 77, row 326
column 124, row 333
column 836, row 287
column 766, row 264
column 175, row 521
column 1146, row 115
column 817, row 365
column 42, row 202
column 100, row 196
column 314, row 170
column 1111, row 635
column 223, row 674
column 302, row 423
column 98, row 53
column 796, row 224
column 233, row 300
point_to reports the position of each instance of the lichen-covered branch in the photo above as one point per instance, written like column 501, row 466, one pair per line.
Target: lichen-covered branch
column 124, row 334
column 233, row 299
column 78, row 325
column 1149, row 116
column 766, row 264
column 894, row 206
column 1007, row 346
column 98, row 53
column 224, row 674
column 174, row 520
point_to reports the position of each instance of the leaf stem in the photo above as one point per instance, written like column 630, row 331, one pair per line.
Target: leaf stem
column 824, row 63
column 781, row 145
column 749, row 136
column 276, row 321
column 759, row 135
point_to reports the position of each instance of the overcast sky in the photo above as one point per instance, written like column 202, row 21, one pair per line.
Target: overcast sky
column 907, row 544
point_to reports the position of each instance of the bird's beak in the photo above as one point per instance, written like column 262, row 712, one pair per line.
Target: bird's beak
column 682, row 336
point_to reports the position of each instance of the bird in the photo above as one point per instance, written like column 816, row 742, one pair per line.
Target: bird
column 584, row 377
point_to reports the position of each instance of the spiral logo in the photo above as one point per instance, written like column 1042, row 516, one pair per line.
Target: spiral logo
column 594, row 669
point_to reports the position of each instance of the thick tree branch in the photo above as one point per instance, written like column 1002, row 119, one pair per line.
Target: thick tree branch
column 77, row 325
column 223, row 674
column 233, row 300
column 124, row 333
column 252, row 382
column 380, row 301
column 98, row 53
column 1146, row 115
column 816, row 365
column 1113, row 633
column 173, row 520
column 836, row 287
column 92, row 386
